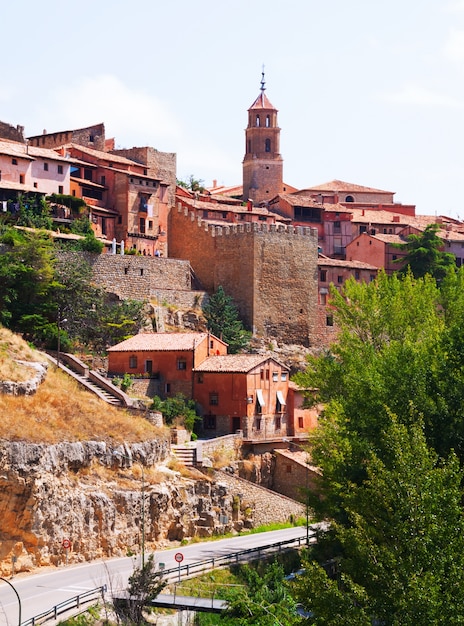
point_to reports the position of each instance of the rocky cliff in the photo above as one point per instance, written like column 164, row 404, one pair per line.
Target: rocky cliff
column 101, row 499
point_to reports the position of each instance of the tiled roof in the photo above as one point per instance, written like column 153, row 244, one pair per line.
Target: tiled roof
column 233, row 363
column 262, row 102
column 23, row 151
column 340, row 185
column 355, row 265
column 160, row 342
column 373, row 216
column 389, row 238
column 104, row 156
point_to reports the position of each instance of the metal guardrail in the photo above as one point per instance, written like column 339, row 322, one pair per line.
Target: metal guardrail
column 233, row 558
column 66, row 605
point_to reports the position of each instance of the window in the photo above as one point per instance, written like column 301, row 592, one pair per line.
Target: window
column 288, row 469
column 21, row 179
column 119, row 219
column 150, row 224
column 103, row 225
column 323, row 276
column 275, row 377
column 394, row 257
column 87, row 174
column 337, row 227
column 181, row 364
column 258, row 121
column 323, row 299
column 132, row 362
column 283, row 376
column 214, row 398
column 142, row 225
column 329, row 320
column 349, row 199
column 371, row 277
column 340, row 280
column 200, row 379
column 307, row 214
column 103, row 180
column 148, row 366
column 280, row 402
column 278, row 422
column 126, row 270
column 362, row 229
column 357, row 274
column 141, row 271
column 167, row 388
column 260, row 404
column 60, row 169
column 209, row 422
column 258, row 423
column 211, row 344
column 60, row 188
column 268, row 121
column 267, row 145
column 14, row 161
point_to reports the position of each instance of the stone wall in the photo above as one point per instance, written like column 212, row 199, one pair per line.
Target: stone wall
column 265, row 506
column 269, row 270
column 136, row 277
column 11, row 133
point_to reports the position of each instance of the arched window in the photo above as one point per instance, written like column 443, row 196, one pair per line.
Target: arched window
column 258, row 121
column 349, row 199
column 268, row 121
column 268, row 145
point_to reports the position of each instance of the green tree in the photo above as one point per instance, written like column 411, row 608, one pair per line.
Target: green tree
column 398, row 556
column 28, row 283
column 223, row 321
column 144, row 585
column 177, row 410
column 192, row 184
column 425, row 254
column 264, row 599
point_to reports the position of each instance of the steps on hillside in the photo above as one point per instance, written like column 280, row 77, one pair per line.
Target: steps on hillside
column 100, row 391
column 186, row 455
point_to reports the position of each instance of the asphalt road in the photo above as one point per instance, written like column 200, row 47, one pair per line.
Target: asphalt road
column 40, row 592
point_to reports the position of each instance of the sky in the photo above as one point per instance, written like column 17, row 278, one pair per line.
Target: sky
column 368, row 92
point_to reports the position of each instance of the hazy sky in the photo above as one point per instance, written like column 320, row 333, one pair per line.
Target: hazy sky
column 369, row 92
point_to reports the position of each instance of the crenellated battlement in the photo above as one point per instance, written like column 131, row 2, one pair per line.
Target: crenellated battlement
column 270, row 270
column 216, row 230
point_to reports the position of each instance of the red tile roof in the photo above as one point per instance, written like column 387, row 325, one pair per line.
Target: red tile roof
column 340, row 185
column 160, row 342
column 262, row 102
column 234, row 363
column 355, row 265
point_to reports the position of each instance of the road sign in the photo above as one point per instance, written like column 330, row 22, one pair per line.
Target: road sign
column 179, row 557
column 66, row 544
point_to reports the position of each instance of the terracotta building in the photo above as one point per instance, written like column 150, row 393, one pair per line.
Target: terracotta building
column 167, row 358
column 246, row 392
column 262, row 163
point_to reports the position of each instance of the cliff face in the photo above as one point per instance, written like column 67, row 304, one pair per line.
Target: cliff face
column 92, row 495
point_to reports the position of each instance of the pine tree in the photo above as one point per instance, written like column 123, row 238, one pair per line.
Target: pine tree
column 223, row 321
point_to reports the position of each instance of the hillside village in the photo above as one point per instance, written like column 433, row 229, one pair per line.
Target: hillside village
column 273, row 248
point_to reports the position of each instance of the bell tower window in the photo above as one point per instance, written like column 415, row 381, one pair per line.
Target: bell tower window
column 268, row 121
column 268, row 145
column 258, row 121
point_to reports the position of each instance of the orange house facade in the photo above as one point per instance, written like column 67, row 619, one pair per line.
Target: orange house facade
column 243, row 392
column 166, row 358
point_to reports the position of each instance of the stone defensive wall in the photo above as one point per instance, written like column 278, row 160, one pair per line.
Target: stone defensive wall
column 137, row 277
column 269, row 270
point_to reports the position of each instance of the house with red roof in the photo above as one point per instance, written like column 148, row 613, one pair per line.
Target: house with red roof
column 246, row 392
column 168, row 359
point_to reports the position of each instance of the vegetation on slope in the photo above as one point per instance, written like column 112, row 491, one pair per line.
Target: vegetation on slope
column 60, row 410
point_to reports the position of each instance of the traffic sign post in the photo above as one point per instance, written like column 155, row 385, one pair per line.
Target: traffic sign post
column 179, row 557
column 66, row 543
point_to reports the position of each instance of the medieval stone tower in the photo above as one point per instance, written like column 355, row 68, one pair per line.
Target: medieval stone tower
column 262, row 164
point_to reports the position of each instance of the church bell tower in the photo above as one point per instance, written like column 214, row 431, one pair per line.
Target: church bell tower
column 262, row 164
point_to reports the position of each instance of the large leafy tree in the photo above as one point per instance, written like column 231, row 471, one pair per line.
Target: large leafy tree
column 425, row 254
column 393, row 390
column 398, row 557
column 223, row 321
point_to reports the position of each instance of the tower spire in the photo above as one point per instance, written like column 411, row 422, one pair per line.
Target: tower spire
column 263, row 84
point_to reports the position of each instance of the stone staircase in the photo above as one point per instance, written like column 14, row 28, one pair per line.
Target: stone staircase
column 93, row 381
column 185, row 454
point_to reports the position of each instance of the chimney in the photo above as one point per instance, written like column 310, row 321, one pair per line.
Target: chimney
column 250, row 205
column 396, row 218
column 214, row 183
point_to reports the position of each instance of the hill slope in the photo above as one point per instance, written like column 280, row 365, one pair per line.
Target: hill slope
column 60, row 410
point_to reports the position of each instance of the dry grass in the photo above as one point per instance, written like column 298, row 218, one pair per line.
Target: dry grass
column 13, row 349
column 63, row 411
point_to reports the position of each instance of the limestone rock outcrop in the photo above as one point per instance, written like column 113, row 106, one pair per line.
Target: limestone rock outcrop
column 101, row 499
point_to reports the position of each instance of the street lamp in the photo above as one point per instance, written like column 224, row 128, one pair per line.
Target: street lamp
column 17, row 595
column 130, row 458
column 292, row 443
